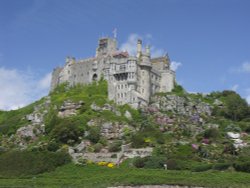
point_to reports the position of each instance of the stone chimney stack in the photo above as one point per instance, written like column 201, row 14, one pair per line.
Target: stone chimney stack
column 139, row 48
column 148, row 51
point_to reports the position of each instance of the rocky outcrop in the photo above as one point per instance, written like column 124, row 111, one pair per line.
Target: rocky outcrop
column 111, row 130
column 180, row 105
column 237, row 141
column 30, row 132
column 69, row 108
column 36, row 127
column 107, row 107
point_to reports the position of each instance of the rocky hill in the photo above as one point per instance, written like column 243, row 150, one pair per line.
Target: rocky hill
column 177, row 130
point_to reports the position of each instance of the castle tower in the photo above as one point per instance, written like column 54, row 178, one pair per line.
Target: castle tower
column 144, row 74
column 106, row 46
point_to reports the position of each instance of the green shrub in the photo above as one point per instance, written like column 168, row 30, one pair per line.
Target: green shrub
column 212, row 133
column 115, row 146
column 242, row 166
column 19, row 163
column 139, row 162
column 182, row 152
column 221, row 166
column 97, row 147
column 53, row 146
column 94, row 134
column 155, row 162
column 67, row 131
column 178, row 89
column 138, row 141
column 11, row 120
column 172, row 164
column 202, row 167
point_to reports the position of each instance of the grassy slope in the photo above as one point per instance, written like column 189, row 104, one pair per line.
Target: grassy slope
column 95, row 176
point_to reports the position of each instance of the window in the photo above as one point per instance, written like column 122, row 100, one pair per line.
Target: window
column 122, row 67
column 94, row 77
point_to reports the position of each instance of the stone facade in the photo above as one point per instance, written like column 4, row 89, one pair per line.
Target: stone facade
column 131, row 79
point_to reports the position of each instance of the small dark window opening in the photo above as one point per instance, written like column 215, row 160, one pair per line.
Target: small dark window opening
column 94, row 78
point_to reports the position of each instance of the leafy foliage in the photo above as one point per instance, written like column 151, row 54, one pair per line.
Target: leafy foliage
column 67, row 131
column 11, row 120
column 235, row 108
column 19, row 163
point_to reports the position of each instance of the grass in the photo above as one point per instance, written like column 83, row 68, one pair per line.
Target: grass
column 11, row 120
column 95, row 176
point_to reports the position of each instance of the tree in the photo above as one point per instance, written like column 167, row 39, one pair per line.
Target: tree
column 235, row 108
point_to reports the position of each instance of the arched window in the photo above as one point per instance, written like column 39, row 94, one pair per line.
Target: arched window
column 94, row 78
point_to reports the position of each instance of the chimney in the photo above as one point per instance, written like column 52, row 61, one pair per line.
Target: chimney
column 148, row 50
column 139, row 48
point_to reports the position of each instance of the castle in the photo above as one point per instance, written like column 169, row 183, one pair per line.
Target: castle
column 131, row 79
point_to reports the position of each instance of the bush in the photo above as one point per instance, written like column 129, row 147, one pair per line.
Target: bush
column 202, row 168
column 21, row 163
column 221, row 166
column 172, row 164
column 97, row 147
column 115, row 146
column 94, row 134
column 242, row 166
column 67, row 131
column 138, row 141
column 212, row 133
column 155, row 162
column 53, row 146
column 139, row 162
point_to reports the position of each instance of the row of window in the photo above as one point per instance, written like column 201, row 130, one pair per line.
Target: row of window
column 131, row 75
column 157, row 78
column 121, row 95
column 121, row 86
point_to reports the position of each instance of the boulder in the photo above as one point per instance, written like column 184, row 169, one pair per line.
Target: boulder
column 26, row 132
column 232, row 135
column 128, row 115
column 69, row 108
column 81, row 147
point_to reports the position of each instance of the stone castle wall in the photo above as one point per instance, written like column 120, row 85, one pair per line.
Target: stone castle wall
column 131, row 80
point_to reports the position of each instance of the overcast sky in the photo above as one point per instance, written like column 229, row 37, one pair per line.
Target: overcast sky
column 208, row 41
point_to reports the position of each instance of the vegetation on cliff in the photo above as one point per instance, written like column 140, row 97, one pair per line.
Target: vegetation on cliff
column 188, row 132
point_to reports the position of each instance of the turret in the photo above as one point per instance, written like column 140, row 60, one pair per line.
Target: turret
column 148, row 51
column 106, row 46
column 139, row 48
column 70, row 60
column 144, row 71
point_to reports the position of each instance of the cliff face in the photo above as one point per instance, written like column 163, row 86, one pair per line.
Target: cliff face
column 181, row 105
